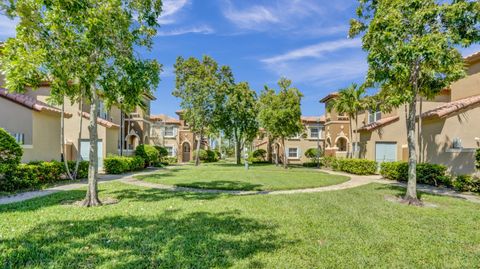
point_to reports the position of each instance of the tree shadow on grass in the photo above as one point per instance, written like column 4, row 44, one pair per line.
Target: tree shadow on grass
column 43, row 202
column 154, row 195
column 400, row 191
column 170, row 240
column 222, row 185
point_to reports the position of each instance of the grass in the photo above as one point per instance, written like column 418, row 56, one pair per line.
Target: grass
column 226, row 176
column 149, row 228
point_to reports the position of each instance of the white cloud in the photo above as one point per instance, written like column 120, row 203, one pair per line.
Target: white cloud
column 7, row 26
column 314, row 51
column 203, row 29
column 170, row 9
column 250, row 17
column 324, row 73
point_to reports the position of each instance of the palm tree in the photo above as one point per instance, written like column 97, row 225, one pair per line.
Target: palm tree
column 349, row 101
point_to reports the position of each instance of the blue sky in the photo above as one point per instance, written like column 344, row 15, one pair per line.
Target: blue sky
column 303, row 40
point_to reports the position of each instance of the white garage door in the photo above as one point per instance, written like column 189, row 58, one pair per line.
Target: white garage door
column 385, row 152
column 85, row 149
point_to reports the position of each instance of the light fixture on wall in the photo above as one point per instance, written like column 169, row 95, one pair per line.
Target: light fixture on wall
column 478, row 141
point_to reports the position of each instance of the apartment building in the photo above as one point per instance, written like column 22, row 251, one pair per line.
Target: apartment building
column 337, row 130
column 449, row 133
column 175, row 135
column 313, row 136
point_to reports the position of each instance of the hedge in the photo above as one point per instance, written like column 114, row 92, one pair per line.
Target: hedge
column 169, row 160
column 36, row 174
column 467, row 183
column 82, row 168
column 352, row 166
column 206, row 155
column 427, row 173
column 121, row 164
column 260, row 154
column 148, row 153
column 10, row 152
column 357, row 166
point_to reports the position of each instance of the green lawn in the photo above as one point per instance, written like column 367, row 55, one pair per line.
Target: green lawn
column 224, row 176
column 153, row 228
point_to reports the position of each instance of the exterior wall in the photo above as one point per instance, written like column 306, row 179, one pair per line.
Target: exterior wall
column 16, row 119
column 439, row 134
column 302, row 143
column 467, row 87
column 46, row 138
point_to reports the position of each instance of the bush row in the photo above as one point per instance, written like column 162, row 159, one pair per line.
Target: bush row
column 477, row 159
column 121, row 164
column 207, row 155
column 427, row 173
column 430, row 174
column 352, row 166
column 34, row 175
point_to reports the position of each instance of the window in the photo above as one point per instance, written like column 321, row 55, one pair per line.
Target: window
column 102, row 112
column 169, row 131
column 293, row 153
column 20, row 138
column 374, row 116
column 457, row 143
column 315, row 132
column 170, row 151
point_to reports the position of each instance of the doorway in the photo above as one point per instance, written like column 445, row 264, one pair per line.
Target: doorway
column 186, row 152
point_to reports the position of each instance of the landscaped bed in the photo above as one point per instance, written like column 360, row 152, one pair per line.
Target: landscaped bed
column 224, row 176
column 148, row 228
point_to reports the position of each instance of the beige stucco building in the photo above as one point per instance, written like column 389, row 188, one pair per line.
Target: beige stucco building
column 449, row 132
column 175, row 135
column 313, row 136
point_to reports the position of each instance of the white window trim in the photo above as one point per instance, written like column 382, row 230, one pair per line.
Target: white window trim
column 173, row 131
column 173, row 154
column 377, row 115
column 319, row 133
column 296, row 157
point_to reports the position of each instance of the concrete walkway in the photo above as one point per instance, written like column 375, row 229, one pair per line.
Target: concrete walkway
column 355, row 181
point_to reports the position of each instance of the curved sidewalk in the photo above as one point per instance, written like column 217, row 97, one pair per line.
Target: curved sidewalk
column 355, row 181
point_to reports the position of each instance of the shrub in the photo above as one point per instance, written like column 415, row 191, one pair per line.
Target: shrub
column 313, row 154
column 202, row 154
column 32, row 175
column 431, row 174
column 121, row 164
column 467, row 183
column 10, row 152
column 310, row 164
column 357, row 166
column 211, row 156
column 477, row 159
column 162, row 152
column 148, row 153
column 260, row 154
column 169, row 160
column 329, row 162
column 82, row 168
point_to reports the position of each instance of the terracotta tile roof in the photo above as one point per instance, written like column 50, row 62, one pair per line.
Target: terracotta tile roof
column 30, row 102
column 313, row 119
column 164, row 118
column 472, row 57
column 382, row 122
column 102, row 122
column 452, row 107
column 328, row 97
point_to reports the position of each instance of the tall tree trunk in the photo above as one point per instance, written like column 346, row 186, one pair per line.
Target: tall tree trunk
column 420, row 137
column 79, row 156
column 349, row 151
column 92, row 192
column 411, row 195
column 357, row 142
column 269, row 150
column 62, row 140
column 197, row 156
column 277, row 153
column 285, row 157
column 238, row 150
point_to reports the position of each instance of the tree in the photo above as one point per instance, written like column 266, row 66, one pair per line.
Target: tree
column 85, row 49
column 238, row 117
column 350, row 102
column 412, row 49
column 280, row 114
column 198, row 84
